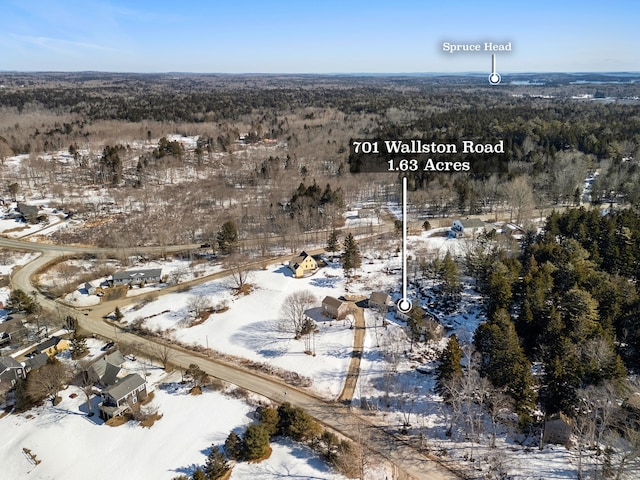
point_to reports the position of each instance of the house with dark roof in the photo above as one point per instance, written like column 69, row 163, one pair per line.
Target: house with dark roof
column 303, row 264
column 10, row 372
column 29, row 212
column 137, row 277
column 105, row 370
column 334, row 308
column 52, row 346
column 35, row 362
column 12, row 330
column 124, row 395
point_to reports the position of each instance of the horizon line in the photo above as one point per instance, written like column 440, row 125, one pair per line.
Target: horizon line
column 464, row 73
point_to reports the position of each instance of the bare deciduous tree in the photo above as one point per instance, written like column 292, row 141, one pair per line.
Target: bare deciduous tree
column 163, row 352
column 47, row 381
column 85, row 381
column 293, row 316
column 240, row 272
column 520, row 198
column 197, row 304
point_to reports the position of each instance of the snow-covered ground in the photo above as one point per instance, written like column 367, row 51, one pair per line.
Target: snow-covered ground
column 389, row 383
column 17, row 228
column 249, row 328
column 70, row 445
column 396, row 384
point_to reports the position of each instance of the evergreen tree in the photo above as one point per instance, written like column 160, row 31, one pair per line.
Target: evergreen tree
column 449, row 275
column 503, row 361
column 20, row 300
column 216, row 464
column 332, row 243
column 233, row 446
column 297, row 424
column 23, row 401
column 351, row 256
column 449, row 366
column 199, row 474
column 269, row 420
column 227, row 237
column 255, row 443
column 562, row 378
column 498, row 291
column 118, row 315
column 78, row 346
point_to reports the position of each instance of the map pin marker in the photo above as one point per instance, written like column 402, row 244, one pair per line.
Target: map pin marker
column 494, row 78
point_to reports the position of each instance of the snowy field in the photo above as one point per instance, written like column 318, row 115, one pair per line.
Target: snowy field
column 70, row 445
column 249, row 328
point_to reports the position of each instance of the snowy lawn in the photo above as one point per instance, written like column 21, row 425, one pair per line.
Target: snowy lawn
column 70, row 445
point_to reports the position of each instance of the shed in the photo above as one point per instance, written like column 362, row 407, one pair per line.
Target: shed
column 557, row 429
column 379, row 300
column 334, row 308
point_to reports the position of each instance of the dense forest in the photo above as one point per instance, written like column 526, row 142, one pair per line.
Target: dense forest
column 261, row 137
column 569, row 302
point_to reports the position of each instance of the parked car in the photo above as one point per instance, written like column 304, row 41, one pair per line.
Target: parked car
column 107, row 346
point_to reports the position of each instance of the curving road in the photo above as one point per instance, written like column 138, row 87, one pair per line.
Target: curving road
column 409, row 461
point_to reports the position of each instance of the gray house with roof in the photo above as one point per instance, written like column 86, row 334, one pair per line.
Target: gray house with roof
column 105, row 370
column 29, row 212
column 379, row 301
column 35, row 362
column 12, row 330
column 137, row 277
column 10, row 372
column 120, row 397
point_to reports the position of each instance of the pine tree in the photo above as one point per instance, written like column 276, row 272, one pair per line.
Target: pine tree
column 199, row 474
column 20, row 300
column 297, row 424
column 269, row 420
column 332, row 243
column 255, row 443
column 78, row 346
column 216, row 465
column 351, row 257
column 227, row 237
column 449, row 275
column 233, row 446
column 449, row 366
column 503, row 360
column 118, row 314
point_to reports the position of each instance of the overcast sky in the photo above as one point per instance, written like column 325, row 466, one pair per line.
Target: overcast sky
column 324, row 36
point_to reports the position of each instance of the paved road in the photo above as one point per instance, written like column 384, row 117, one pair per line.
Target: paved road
column 408, row 460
